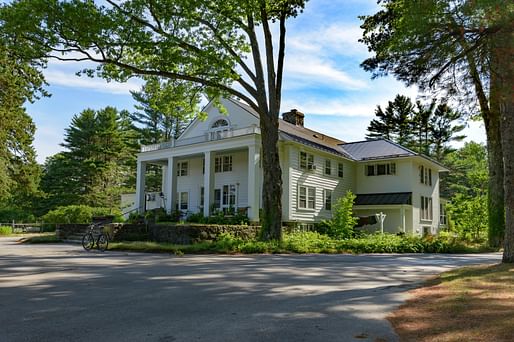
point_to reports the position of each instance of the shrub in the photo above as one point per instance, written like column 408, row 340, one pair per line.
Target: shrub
column 342, row 224
column 468, row 217
column 78, row 214
column 5, row 230
column 9, row 214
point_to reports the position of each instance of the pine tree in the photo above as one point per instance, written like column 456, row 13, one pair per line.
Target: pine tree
column 164, row 110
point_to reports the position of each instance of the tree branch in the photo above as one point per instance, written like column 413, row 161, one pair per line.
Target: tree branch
column 270, row 62
column 281, row 57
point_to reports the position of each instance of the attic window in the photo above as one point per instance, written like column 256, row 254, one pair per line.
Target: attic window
column 219, row 123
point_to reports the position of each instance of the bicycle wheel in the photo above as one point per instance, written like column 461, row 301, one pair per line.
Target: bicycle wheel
column 103, row 242
column 88, row 241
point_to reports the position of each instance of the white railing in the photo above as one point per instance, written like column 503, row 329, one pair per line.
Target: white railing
column 210, row 136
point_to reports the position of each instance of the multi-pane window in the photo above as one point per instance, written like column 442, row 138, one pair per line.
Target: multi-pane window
column 425, row 175
column 223, row 164
column 183, row 200
column 307, row 197
column 443, row 219
column 380, row 169
column 229, row 196
column 306, row 161
column 327, row 195
column 182, row 168
column 340, row 170
column 328, row 167
column 426, row 208
column 217, row 198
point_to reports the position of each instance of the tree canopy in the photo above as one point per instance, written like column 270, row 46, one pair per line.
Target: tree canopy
column 463, row 50
column 214, row 45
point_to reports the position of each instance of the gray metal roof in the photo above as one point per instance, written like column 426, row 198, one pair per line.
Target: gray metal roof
column 385, row 198
column 375, row 149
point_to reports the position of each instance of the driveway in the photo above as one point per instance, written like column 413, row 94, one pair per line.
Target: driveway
column 61, row 293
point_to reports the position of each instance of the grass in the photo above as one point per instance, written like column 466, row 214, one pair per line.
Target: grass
column 308, row 242
column 467, row 304
column 5, row 231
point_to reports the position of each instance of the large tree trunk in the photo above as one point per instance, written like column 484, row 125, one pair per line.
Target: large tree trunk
column 271, row 218
column 505, row 74
column 496, row 212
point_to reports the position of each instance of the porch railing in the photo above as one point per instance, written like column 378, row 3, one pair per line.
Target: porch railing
column 209, row 136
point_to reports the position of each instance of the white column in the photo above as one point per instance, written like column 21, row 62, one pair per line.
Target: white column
column 253, row 183
column 208, row 183
column 171, row 184
column 402, row 217
column 140, row 186
column 164, row 185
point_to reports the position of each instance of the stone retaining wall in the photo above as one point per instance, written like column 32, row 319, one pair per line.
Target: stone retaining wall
column 183, row 234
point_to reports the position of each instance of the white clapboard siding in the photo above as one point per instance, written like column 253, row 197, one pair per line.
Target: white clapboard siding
column 317, row 179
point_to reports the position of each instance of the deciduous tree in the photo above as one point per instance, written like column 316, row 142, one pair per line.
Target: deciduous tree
column 223, row 47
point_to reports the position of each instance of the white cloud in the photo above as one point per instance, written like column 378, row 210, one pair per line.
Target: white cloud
column 303, row 71
column 69, row 79
column 335, row 108
column 329, row 40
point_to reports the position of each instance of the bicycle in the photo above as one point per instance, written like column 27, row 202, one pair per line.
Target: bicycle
column 88, row 240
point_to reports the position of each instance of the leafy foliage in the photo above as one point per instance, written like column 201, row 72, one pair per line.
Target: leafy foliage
column 343, row 222
column 310, row 242
column 5, row 230
column 77, row 214
column 468, row 217
column 20, row 81
column 203, row 42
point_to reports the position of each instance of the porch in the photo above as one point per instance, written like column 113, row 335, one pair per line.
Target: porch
column 206, row 177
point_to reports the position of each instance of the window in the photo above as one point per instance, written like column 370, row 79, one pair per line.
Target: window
column 202, row 196
column 425, row 175
column 306, row 161
column 226, row 197
column 183, row 200
column 380, row 169
column 219, row 129
column 426, row 208
column 203, row 166
column 229, row 196
column 182, row 168
column 328, row 167
column 227, row 163
column 370, row 170
column 307, row 197
column 443, row 219
column 217, row 198
column 327, row 194
column 219, row 123
column 223, row 164
column 340, row 170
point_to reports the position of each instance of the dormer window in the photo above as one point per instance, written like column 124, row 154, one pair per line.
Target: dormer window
column 219, row 129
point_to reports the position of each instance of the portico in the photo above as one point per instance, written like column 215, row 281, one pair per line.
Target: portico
column 203, row 177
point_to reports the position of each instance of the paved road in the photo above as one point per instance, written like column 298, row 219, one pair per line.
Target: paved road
column 62, row 293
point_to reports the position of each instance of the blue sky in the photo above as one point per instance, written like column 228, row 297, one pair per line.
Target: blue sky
column 322, row 79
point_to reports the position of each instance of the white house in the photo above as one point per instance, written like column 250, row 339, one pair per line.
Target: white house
column 216, row 164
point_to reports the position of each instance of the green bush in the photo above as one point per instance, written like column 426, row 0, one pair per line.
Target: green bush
column 342, row 224
column 79, row 214
column 9, row 214
column 5, row 230
column 468, row 217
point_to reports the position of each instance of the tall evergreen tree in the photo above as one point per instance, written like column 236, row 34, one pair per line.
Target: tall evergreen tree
column 444, row 130
column 165, row 108
column 464, row 49
column 393, row 123
column 97, row 148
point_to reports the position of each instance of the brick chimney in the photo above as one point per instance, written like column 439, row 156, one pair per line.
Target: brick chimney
column 294, row 117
